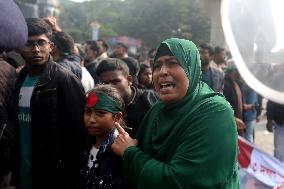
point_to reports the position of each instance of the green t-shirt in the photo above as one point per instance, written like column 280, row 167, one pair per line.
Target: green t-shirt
column 24, row 117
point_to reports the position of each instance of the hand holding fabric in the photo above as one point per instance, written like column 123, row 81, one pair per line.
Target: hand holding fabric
column 122, row 141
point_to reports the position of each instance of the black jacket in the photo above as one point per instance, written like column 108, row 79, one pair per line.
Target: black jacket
column 58, row 133
column 275, row 112
column 142, row 101
column 7, row 81
column 92, row 67
column 106, row 171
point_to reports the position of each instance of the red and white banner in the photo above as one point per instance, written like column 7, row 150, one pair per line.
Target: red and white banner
column 256, row 164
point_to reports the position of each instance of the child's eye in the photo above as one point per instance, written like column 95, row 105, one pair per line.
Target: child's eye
column 88, row 111
column 100, row 112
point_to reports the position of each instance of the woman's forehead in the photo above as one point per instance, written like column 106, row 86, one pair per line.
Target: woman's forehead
column 166, row 58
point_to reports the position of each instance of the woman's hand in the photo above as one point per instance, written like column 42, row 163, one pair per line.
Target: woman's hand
column 122, row 141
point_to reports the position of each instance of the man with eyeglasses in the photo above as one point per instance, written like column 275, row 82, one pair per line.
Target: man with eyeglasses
column 48, row 113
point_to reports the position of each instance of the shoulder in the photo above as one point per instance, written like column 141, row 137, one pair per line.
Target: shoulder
column 60, row 71
column 213, row 103
column 147, row 95
column 217, row 71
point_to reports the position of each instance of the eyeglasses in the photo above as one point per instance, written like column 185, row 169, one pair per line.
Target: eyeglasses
column 40, row 44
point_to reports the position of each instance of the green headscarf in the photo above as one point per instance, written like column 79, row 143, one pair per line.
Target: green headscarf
column 101, row 101
column 189, row 144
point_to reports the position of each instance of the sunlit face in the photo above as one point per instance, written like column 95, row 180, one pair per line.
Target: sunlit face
column 37, row 50
column 90, row 54
column 146, row 77
column 120, row 81
column 98, row 122
column 170, row 80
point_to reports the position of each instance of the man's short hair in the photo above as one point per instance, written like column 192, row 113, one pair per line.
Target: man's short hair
column 208, row 47
column 37, row 26
column 104, row 44
column 94, row 46
column 112, row 64
column 218, row 49
column 122, row 45
column 64, row 42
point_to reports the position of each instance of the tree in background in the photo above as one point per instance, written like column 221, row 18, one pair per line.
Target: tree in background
column 149, row 20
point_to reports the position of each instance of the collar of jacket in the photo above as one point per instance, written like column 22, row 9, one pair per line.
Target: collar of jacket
column 46, row 74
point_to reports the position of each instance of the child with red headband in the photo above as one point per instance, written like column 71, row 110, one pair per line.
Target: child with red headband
column 102, row 168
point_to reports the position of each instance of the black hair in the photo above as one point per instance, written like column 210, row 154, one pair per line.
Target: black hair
column 64, row 42
column 122, row 45
column 143, row 67
column 163, row 50
column 110, row 91
column 37, row 26
column 104, row 44
column 218, row 49
column 94, row 46
column 208, row 47
column 112, row 64
column 152, row 52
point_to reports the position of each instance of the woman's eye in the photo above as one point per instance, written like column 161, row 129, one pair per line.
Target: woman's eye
column 156, row 66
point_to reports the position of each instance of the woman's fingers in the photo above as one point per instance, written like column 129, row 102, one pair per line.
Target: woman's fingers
column 119, row 128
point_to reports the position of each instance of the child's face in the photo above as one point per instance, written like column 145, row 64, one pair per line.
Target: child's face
column 98, row 122
column 146, row 77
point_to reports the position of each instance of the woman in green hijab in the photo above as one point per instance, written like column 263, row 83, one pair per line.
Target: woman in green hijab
column 189, row 138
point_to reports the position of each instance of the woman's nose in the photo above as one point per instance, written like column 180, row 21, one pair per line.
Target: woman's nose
column 164, row 70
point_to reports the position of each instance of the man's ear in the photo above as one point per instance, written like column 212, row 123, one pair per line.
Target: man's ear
column 118, row 117
column 52, row 47
column 130, row 80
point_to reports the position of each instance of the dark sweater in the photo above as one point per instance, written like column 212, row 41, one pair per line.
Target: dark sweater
column 275, row 112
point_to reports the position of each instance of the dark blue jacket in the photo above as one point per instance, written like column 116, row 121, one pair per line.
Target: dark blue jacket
column 72, row 63
column 249, row 97
column 107, row 169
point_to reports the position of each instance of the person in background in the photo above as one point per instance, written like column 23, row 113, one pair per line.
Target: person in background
column 219, row 58
column 120, row 51
column 275, row 123
column 87, row 80
column 145, row 77
column 182, row 138
column 93, row 51
column 137, row 101
column 212, row 76
column 102, row 168
column 13, row 34
column 250, row 105
column 233, row 93
column 104, row 49
column 63, row 53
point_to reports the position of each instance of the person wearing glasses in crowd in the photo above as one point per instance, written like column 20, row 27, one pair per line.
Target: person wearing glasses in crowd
column 48, row 111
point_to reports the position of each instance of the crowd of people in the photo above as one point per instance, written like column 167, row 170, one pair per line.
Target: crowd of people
column 91, row 116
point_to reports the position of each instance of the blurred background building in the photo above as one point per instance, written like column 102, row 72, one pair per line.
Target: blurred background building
column 212, row 9
column 39, row 8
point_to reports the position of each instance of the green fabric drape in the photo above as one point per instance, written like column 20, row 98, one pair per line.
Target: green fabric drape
column 189, row 144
